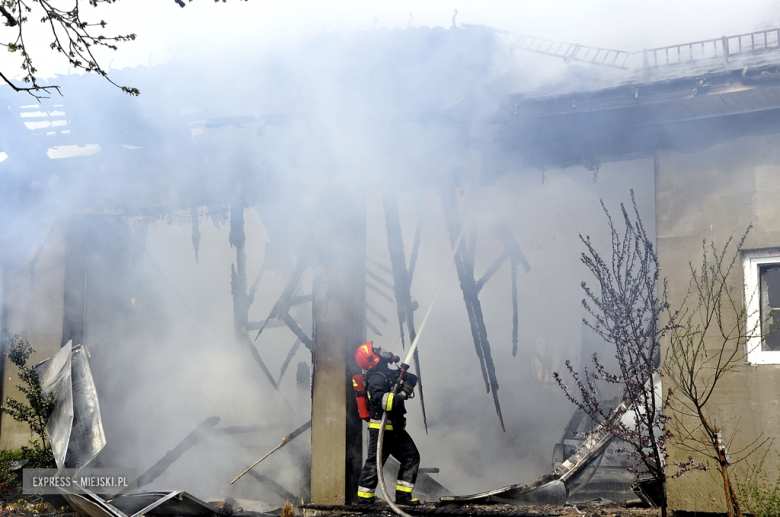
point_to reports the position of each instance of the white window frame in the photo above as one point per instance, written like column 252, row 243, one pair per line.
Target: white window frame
column 752, row 260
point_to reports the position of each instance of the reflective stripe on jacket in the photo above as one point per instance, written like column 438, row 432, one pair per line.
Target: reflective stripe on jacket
column 379, row 386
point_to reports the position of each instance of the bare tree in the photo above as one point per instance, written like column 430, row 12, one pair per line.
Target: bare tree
column 625, row 310
column 709, row 341
column 72, row 36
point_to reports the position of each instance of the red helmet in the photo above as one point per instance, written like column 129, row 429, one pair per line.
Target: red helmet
column 365, row 356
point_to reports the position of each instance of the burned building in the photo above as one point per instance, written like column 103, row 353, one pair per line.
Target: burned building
column 191, row 240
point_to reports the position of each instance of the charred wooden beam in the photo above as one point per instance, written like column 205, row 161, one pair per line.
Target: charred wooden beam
column 237, row 429
column 285, row 301
column 379, row 292
column 298, row 331
column 464, row 264
column 255, row 325
column 516, row 255
column 452, row 220
column 402, row 285
column 492, row 270
column 287, row 439
column 510, row 245
column 287, row 359
column 376, row 313
column 379, row 279
column 380, row 265
column 192, row 439
column 255, row 284
column 373, row 328
column 275, row 487
column 259, row 360
column 299, row 300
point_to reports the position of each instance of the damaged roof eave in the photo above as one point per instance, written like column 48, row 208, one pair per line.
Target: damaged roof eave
column 690, row 98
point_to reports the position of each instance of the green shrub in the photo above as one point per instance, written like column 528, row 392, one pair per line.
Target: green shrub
column 759, row 495
column 35, row 412
column 36, row 457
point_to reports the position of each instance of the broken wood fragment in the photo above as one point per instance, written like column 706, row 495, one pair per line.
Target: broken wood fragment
column 287, row 439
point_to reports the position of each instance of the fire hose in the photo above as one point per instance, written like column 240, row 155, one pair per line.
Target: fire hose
column 404, row 368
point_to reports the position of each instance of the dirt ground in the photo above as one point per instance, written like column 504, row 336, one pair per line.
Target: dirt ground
column 14, row 503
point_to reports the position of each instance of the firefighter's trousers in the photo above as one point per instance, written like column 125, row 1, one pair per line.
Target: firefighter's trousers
column 401, row 446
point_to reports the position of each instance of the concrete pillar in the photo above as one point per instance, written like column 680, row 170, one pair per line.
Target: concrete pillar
column 339, row 328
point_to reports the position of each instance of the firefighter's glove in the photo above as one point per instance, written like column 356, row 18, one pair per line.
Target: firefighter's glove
column 410, row 378
column 406, row 390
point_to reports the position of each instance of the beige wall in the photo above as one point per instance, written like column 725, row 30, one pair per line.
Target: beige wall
column 714, row 195
column 35, row 311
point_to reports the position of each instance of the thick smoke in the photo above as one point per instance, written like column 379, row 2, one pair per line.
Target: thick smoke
column 408, row 112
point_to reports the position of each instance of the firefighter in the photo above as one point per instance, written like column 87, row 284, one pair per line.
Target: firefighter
column 379, row 382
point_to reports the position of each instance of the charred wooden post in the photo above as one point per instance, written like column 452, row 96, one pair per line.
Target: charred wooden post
column 402, row 285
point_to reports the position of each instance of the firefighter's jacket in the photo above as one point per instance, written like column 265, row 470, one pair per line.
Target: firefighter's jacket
column 379, row 387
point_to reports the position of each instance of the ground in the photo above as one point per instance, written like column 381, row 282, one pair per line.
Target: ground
column 14, row 503
column 591, row 509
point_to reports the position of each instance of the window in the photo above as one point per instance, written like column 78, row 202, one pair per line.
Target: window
column 761, row 271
